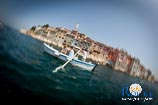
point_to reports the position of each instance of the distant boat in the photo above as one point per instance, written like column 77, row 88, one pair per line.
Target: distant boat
column 75, row 62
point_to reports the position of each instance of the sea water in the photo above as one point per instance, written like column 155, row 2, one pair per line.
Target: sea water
column 26, row 75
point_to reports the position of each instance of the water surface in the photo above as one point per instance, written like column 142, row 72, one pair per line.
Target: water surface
column 26, row 75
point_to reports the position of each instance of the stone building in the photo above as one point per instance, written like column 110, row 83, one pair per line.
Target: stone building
column 142, row 72
column 97, row 52
column 41, row 31
column 112, row 56
column 69, row 39
column 136, row 68
column 146, row 74
column 52, row 34
column 151, row 78
column 121, row 63
column 129, row 61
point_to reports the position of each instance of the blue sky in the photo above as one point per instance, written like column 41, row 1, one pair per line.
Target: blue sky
column 127, row 24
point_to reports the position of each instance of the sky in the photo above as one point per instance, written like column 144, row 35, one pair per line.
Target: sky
column 128, row 24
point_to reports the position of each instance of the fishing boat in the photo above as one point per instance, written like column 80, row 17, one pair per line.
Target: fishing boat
column 75, row 62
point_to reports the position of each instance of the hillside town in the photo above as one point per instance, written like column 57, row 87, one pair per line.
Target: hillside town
column 100, row 53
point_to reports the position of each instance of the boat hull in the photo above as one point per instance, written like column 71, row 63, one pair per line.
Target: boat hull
column 74, row 62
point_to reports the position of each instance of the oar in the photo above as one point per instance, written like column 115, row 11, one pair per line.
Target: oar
column 62, row 66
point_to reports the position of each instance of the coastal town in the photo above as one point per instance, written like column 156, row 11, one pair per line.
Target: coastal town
column 99, row 53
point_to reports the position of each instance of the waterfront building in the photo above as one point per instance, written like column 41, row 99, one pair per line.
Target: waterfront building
column 52, row 35
column 105, row 52
column 146, row 74
column 129, row 62
column 69, row 38
column 38, row 27
column 41, row 31
column 74, row 33
column 121, row 63
column 64, row 30
column 98, row 52
column 136, row 68
column 142, row 72
column 151, row 78
column 112, row 56
column 149, row 73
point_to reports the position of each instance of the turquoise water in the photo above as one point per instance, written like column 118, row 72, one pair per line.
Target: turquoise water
column 26, row 75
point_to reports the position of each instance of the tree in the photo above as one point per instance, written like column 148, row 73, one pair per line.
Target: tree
column 33, row 28
column 46, row 26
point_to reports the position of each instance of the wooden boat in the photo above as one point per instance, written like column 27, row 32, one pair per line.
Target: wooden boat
column 75, row 62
